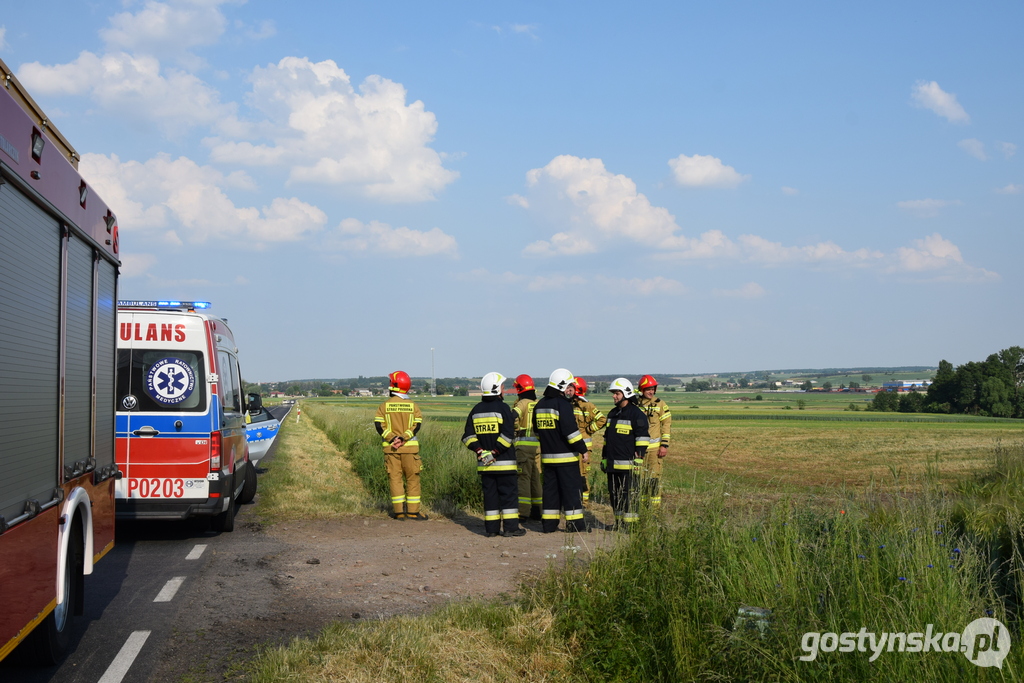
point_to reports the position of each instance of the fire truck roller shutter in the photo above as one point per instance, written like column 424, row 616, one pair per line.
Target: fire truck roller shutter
column 78, row 364
column 30, row 274
column 106, row 360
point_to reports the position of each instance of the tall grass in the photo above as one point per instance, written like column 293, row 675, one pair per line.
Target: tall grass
column 448, row 478
column 663, row 605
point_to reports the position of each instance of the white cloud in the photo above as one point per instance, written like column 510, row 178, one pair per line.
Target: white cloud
column 929, row 95
column 974, row 147
column 644, row 286
column 1008, row 149
column 518, row 200
column 136, row 265
column 527, row 29
column 927, row 208
column 167, row 29
column 327, row 132
column 935, row 254
column 791, row 191
column 353, row 235
column 751, row 290
column 601, row 206
column 135, row 87
column 761, row 250
column 181, row 202
column 603, row 210
column 704, row 171
column 1010, row 189
column 266, row 29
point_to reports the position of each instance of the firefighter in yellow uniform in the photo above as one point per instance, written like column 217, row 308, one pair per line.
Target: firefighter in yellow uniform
column 531, row 492
column 397, row 421
column 659, row 418
column 590, row 420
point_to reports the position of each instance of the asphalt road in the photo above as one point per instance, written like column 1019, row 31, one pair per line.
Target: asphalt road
column 132, row 599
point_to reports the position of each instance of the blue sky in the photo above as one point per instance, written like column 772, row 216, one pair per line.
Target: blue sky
column 674, row 187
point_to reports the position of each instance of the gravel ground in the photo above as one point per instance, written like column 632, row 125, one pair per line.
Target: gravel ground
column 265, row 586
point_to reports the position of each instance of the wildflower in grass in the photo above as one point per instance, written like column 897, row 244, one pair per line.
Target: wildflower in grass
column 861, row 557
column 929, row 566
column 988, row 612
column 903, row 578
column 956, row 550
column 881, row 547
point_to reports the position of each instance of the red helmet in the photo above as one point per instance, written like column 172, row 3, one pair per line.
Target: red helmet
column 400, row 382
column 523, row 383
column 581, row 386
column 646, row 382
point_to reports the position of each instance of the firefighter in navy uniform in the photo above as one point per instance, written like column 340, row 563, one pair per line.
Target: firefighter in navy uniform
column 490, row 428
column 527, row 450
column 589, row 420
column 397, row 421
column 659, row 418
column 561, row 445
column 625, row 444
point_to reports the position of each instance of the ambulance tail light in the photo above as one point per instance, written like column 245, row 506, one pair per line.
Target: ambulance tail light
column 215, row 451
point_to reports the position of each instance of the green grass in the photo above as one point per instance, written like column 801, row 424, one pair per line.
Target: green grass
column 448, row 478
column 832, row 525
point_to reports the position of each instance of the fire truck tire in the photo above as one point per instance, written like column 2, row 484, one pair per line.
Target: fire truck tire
column 225, row 521
column 249, row 489
column 49, row 642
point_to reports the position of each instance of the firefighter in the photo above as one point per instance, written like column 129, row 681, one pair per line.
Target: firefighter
column 527, row 449
column 660, row 419
column 561, row 445
column 590, row 420
column 397, row 421
column 490, row 429
column 625, row 444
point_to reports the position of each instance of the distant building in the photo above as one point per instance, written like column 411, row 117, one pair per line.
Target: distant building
column 901, row 385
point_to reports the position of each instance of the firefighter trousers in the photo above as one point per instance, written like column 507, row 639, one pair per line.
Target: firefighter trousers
column 622, row 494
column 561, row 492
column 405, row 496
column 531, row 492
column 500, row 491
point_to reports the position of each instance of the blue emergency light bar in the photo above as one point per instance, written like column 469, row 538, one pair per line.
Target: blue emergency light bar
column 134, row 303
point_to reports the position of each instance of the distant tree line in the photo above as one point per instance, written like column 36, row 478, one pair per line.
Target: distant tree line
column 993, row 388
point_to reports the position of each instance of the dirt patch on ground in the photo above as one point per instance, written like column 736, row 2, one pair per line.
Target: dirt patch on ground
column 265, row 586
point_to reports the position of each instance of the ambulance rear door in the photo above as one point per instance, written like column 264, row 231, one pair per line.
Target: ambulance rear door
column 164, row 420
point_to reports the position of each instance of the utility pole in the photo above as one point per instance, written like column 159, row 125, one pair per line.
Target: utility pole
column 433, row 379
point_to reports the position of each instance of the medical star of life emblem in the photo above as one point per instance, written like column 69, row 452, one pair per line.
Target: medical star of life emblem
column 170, row 381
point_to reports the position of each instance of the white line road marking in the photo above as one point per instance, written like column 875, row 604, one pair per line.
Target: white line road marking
column 129, row 651
column 196, row 553
column 166, row 593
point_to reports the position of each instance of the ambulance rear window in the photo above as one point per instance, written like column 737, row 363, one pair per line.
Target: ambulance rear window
column 153, row 380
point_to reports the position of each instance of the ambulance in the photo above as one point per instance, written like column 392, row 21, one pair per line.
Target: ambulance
column 181, row 442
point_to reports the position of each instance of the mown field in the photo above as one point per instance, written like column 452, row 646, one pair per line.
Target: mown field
column 888, row 523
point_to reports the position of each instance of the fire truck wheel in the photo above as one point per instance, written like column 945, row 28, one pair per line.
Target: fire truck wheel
column 49, row 641
column 225, row 521
column 249, row 489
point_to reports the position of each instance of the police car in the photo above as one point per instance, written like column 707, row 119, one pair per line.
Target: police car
column 261, row 428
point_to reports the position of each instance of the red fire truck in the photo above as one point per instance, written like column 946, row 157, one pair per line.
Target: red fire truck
column 58, row 288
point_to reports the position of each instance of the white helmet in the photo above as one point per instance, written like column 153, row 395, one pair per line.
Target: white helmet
column 490, row 385
column 561, row 379
column 624, row 385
